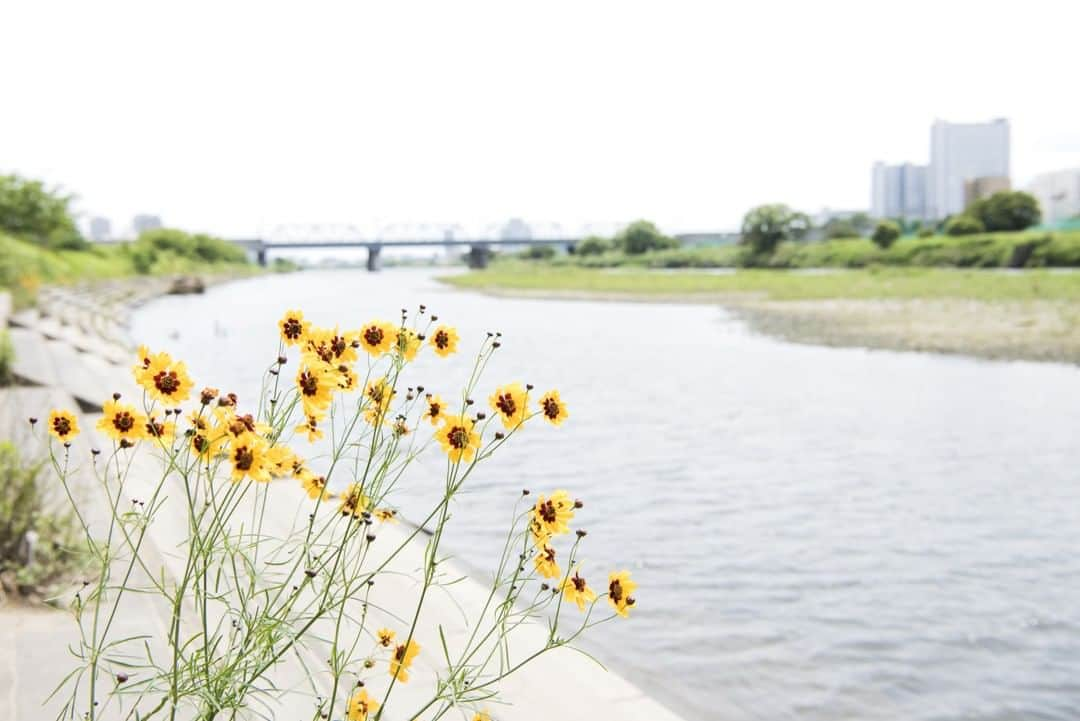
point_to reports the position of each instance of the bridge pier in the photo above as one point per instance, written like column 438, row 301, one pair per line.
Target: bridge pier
column 260, row 256
column 373, row 253
column 478, row 256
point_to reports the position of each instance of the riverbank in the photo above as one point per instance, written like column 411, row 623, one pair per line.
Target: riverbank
column 69, row 362
column 1020, row 315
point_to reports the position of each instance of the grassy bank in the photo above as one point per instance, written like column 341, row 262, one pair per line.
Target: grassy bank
column 25, row 266
column 1032, row 315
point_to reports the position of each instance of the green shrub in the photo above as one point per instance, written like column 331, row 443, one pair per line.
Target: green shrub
column 27, row 512
column 1006, row 210
column 885, row 234
column 925, row 232
column 964, row 225
column 7, row 359
column 538, row 252
column 641, row 236
column 593, row 245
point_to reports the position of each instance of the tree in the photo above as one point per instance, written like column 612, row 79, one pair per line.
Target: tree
column 641, row 236
column 840, row 228
column 885, row 234
column 766, row 226
column 1006, row 210
column 593, row 245
column 963, row 225
column 30, row 211
column 861, row 222
column 538, row 252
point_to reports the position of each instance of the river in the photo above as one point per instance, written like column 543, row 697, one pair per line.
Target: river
column 817, row 533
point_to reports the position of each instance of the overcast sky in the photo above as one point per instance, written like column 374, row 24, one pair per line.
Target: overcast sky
column 234, row 117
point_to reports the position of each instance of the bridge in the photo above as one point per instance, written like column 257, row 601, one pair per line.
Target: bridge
column 479, row 249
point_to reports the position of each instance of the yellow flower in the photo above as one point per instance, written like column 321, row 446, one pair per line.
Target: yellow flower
column 403, row 658
column 347, row 380
column 436, row 408
column 575, row 589
column 162, row 431
column 238, row 425
column 63, row 425
column 353, row 502
column 377, row 336
column 293, row 327
column 385, row 637
column 360, row 705
column 552, row 515
column 545, row 563
column 282, row 460
column 316, row 385
column 165, row 380
column 458, row 438
column 207, row 441
column 386, row 515
column 379, row 394
column 315, row 486
column 481, row 716
column 619, row 589
column 408, row 343
column 122, row 422
column 511, row 404
column 553, row 408
column 444, row 340
column 311, row 427
column 143, row 354
column 330, row 346
column 248, row 456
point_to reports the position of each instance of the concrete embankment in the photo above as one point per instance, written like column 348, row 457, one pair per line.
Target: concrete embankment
column 74, row 354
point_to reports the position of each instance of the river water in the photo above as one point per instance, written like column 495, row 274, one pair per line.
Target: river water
column 818, row 533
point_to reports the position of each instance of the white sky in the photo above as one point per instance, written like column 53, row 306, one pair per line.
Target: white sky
column 234, row 117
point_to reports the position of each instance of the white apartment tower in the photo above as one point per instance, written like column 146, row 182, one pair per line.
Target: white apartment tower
column 960, row 152
column 1058, row 194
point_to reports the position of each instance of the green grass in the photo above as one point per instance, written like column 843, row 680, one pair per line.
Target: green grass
column 877, row 283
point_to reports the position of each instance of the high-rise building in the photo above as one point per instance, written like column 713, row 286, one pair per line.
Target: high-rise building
column 1058, row 194
column 984, row 187
column 899, row 191
column 145, row 222
column 960, row 152
column 100, row 229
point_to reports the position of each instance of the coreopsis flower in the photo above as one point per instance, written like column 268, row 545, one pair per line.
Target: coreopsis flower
column 402, row 660
column 458, row 438
column 386, row 515
column 481, row 716
column 408, row 343
column 360, row 705
column 436, row 409
column 330, row 346
column 378, row 394
column 163, row 431
column 619, row 589
column 545, row 563
column 282, row 460
column 553, row 408
column 316, row 384
column 385, row 637
column 207, row 440
column 552, row 515
column 248, row 456
column 166, row 380
column 237, row 425
column 353, row 501
column 511, row 403
column 314, row 486
column 444, row 340
column 347, row 379
column 63, row 425
column 311, row 427
column 377, row 336
column 122, row 422
column 293, row 327
column 143, row 355
column 575, row 589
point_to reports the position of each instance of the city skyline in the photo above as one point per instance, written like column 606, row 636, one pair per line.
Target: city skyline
column 368, row 116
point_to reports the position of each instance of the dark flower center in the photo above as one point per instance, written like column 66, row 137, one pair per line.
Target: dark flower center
column 433, row 409
column 579, row 583
column 309, row 384
column 199, row 443
column 547, row 512
column 338, row 345
column 155, row 429
column 123, row 422
column 243, row 458
column 399, row 653
column 62, row 426
column 615, row 591
column 373, row 336
column 506, row 405
column 551, row 408
column 442, row 340
column 293, row 328
column 167, row 382
column 458, row 437
column 549, row 554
